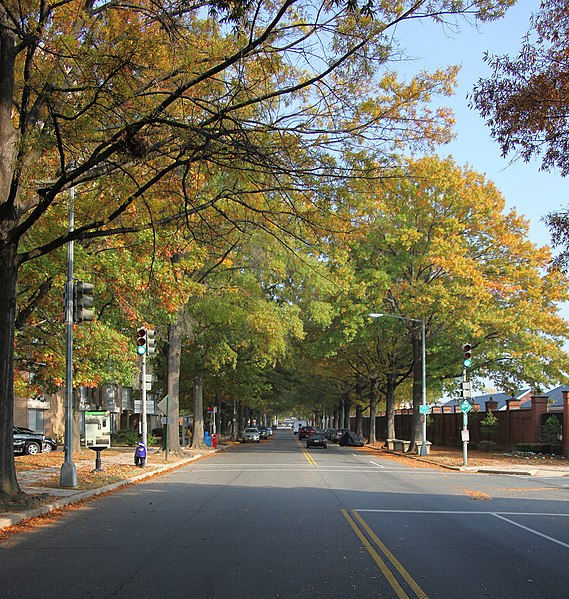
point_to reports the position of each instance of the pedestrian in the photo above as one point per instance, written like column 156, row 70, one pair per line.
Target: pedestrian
column 140, row 454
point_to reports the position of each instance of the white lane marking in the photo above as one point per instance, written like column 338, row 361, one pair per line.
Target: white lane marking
column 376, row 464
column 531, row 530
column 461, row 512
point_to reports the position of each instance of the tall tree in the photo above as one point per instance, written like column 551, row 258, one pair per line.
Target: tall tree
column 124, row 99
column 456, row 259
column 526, row 99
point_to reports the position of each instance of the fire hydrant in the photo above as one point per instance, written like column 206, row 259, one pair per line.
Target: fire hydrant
column 214, row 441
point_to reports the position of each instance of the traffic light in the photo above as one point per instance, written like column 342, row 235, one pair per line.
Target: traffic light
column 146, row 341
column 82, row 302
column 151, row 341
column 141, row 341
column 467, row 355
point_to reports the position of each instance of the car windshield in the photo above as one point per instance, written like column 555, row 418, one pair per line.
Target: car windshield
column 251, row 430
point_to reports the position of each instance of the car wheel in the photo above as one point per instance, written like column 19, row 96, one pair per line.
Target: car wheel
column 33, row 449
column 47, row 448
column 259, row 440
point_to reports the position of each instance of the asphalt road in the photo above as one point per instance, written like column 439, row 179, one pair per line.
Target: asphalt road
column 275, row 520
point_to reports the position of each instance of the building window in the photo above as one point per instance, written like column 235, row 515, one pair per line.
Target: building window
column 36, row 420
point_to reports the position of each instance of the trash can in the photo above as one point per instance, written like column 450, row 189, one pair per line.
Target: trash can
column 207, row 439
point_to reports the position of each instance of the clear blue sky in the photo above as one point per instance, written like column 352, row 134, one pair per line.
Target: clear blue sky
column 530, row 191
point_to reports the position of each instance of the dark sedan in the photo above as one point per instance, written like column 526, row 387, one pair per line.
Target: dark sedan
column 316, row 439
column 28, row 443
column 49, row 444
column 335, row 437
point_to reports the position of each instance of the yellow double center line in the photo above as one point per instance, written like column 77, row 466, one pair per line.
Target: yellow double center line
column 389, row 575
column 310, row 459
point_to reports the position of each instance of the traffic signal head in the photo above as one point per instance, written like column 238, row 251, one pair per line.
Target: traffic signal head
column 82, row 301
column 467, row 355
column 141, row 341
column 151, row 341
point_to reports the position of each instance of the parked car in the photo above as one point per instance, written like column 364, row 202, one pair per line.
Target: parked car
column 316, row 439
column 328, row 433
column 27, row 443
column 305, row 431
column 263, row 431
column 335, row 437
column 49, row 444
column 251, row 433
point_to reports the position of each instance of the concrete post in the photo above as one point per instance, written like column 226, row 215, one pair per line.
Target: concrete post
column 538, row 408
column 566, row 424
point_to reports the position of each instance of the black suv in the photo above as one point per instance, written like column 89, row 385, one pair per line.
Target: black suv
column 28, row 443
column 49, row 443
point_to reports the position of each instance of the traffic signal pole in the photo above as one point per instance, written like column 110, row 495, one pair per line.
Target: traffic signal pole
column 464, row 428
column 143, row 428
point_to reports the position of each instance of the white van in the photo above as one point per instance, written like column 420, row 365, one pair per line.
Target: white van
column 298, row 424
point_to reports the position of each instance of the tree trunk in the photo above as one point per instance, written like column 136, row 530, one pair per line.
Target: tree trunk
column 197, row 439
column 239, row 422
column 175, row 333
column 218, row 414
column 9, row 264
column 390, row 406
column 76, row 415
column 359, row 403
column 347, row 411
column 417, row 388
column 8, row 283
column 372, row 411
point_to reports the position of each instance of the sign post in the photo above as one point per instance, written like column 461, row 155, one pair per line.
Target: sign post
column 212, row 412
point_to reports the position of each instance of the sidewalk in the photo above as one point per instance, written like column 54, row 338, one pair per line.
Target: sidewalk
column 40, row 481
column 453, row 459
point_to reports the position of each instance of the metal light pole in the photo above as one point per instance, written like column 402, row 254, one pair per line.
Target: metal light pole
column 68, row 473
column 423, row 450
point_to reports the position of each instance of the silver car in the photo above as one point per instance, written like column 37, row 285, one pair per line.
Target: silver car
column 251, row 433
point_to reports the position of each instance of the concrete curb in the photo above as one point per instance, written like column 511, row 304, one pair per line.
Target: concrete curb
column 514, row 470
column 12, row 519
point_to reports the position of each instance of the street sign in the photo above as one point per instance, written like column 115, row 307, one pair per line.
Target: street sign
column 467, row 390
column 149, row 380
column 149, row 405
column 465, row 407
column 424, row 409
column 163, row 405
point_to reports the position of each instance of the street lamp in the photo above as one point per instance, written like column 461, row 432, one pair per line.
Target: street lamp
column 423, row 449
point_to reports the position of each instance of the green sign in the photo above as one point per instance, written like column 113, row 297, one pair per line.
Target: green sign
column 465, row 407
column 424, row 409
